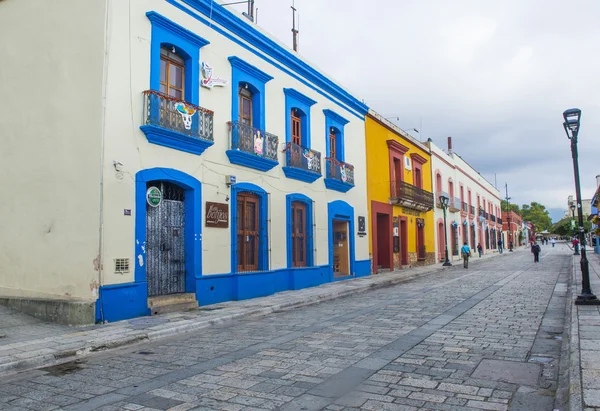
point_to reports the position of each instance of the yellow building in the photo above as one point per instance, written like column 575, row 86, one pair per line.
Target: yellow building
column 400, row 199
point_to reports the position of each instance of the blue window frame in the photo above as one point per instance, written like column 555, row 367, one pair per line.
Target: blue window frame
column 168, row 34
column 263, row 246
column 308, row 228
column 248, row 76
column 294, row 100
column 334, row 123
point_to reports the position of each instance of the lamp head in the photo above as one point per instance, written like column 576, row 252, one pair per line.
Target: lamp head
column 444, row 199
column 572, row 118
column 572, row 206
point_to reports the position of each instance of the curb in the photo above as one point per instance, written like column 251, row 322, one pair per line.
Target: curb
column 575, row 402
column 91, row 347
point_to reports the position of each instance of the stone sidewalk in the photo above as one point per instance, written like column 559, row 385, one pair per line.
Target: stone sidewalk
column 584, row 367
column 29, row 343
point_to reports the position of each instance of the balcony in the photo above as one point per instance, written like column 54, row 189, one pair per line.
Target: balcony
column 176, row 124
column 251, row 147
column 410, row 196
column 499, row 221
column 340, row 175
column 493, row 218
column 302, row 163
column 464, row 207
column 454, row 204
column 471, row 210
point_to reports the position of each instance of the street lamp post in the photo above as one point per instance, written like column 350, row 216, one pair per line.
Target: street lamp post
column 444, row 199
column 573, row 214
column 572, row 121
column 510, row 240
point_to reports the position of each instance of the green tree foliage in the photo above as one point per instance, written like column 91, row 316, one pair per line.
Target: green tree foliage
column 563, row 227
column 537, row 214
column 512, row 207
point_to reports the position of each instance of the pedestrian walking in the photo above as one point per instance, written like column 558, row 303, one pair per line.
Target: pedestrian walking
column 479, row 249
column 536, row 250
column 576, row 245
column 553, row 241
column 466, row 253
column 500, row 246
column 510, row 244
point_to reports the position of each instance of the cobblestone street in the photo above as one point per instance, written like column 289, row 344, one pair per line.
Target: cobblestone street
column 487, row 338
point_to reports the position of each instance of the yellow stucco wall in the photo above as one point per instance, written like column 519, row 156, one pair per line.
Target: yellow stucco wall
column 378, row 181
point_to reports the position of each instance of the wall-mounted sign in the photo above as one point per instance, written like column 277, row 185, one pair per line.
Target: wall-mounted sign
column 208, row 80
column 217, row 215
column 362, row 226
column 127, row 211
column 154, row 196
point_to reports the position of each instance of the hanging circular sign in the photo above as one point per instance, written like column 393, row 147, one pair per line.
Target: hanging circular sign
column 154, row 196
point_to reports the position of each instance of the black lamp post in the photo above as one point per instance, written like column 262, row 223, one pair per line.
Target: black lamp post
column 444, row 199
column 510, row 239
column 572, row 121
column 573, row 214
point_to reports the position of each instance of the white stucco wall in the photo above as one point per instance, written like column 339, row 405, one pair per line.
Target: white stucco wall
column 128, row 77
column 50, row 122
column 451, row 165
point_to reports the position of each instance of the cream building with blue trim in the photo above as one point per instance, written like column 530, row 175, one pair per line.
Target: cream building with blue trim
column 169, row 152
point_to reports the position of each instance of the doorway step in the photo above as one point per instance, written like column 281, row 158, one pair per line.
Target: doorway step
column 170, row 303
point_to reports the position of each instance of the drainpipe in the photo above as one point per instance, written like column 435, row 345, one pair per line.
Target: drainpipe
column 102, row 136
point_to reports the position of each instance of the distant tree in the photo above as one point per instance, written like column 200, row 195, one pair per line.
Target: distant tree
column 537, row 214
column 512, row 207
column 563, row 227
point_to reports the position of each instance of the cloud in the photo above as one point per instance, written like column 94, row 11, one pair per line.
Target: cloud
column 496, row 76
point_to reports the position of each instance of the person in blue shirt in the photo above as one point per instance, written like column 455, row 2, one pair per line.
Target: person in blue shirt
column 466, row 253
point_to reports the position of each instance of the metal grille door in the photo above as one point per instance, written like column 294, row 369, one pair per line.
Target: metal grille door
column 165, row 245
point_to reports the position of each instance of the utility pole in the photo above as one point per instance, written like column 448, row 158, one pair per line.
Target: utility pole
column 294, row 30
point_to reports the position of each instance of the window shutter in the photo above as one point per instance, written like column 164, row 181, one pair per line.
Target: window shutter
column 310, row 228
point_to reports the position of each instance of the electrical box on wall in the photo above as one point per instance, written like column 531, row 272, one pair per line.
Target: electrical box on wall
column 230, row 180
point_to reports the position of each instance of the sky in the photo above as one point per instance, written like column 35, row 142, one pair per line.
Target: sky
column 494, row 75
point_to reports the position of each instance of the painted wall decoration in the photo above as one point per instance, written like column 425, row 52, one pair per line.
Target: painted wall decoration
column 217, row 215
column 343, row 173
column 259, row 142
column 208, row 80
column 311, row 159
column 186, row 113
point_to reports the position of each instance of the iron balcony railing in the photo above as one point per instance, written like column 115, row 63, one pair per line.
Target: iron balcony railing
column 177, row 115
column 253, row 141
column 303, row 158
column 454, row 204
column 499, row 221
column 464, row 207
column 339, row 170
column 471, row 210
column 410, row 196
column 487, row 215
column 493, row 218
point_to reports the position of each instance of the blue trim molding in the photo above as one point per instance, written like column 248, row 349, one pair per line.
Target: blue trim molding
column 263, row 215
column 271, row 52
column 301, row 174
column 341, row 211
column 193, row 226
column 296, row 100
column 166, row 33
column 337, row 122
column 173, row 139
column 243, row 73
column 337, row 185
column 250, row 160
column 308, row 229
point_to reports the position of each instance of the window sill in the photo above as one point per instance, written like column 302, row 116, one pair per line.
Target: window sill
column 300, row 174
column 250, row 160
column 175, row 140
column 337, row 185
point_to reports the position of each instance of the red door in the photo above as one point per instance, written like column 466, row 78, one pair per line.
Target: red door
column 383, row 241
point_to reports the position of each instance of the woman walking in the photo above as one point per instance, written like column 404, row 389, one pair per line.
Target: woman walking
column 479, row 249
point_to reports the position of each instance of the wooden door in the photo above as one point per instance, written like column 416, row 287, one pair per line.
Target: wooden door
column 247, row 232
column 341, row 254
column 296, row 128
column 298, row 234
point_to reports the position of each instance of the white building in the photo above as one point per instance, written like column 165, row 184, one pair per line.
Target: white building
column 473, row 213
column 169, row 151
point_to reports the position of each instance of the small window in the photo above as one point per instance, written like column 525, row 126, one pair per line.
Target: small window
column 298, row 234
column 172, row 74
column 296, row 127
column 245, row 113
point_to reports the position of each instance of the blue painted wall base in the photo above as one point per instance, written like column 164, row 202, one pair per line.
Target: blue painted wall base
column 122, row 301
